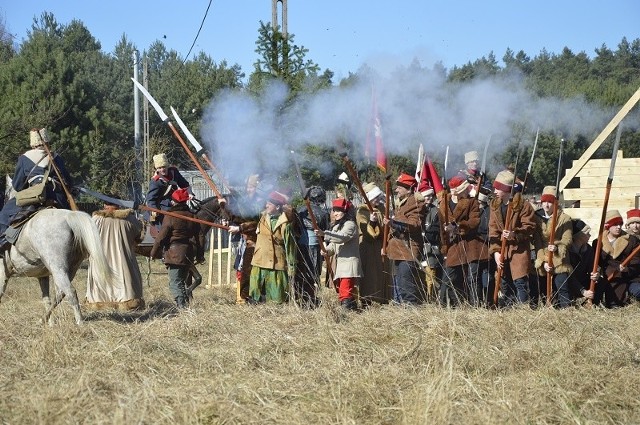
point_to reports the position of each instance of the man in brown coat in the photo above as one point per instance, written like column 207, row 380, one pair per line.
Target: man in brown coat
column 405, row 243
column 461, row 244
column 179, row 240
column 516, row 233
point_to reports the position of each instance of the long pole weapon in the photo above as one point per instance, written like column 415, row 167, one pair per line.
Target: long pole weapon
column 552, row 230
column 483, row 167
column 197, row 146
column 507, row 227
column 182, row 217
column 356, row 180
column 165, row 119
column 387, row 208
column 596, row 255
column 533, row 154
column 72, row 202
column 314, row 222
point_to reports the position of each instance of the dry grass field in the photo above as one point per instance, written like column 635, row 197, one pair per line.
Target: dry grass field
column 221, row 363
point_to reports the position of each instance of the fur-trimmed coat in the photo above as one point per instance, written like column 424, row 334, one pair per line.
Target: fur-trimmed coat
column 467, row 245
column 563, row 239
column 405, row 238
column 523, row 223
column 614, row 253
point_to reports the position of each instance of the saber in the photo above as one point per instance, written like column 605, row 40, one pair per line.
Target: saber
column 165, row 119
column 103, row 197
column 197, row 146
column 533, row 154
column 182, row 217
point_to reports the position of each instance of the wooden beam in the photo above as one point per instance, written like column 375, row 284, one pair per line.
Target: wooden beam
column 573, row 171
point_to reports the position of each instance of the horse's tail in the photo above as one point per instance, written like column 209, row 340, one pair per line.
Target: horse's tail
column 86, row 233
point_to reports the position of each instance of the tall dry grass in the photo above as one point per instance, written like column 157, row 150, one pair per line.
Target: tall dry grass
column 221, row 363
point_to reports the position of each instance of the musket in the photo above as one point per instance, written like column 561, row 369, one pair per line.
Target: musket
column 314, row 222
column 165, row 119
column 552, row 229
column 356, row 180
column 507, row 227
column 596, row 255
column 387, row 208
column 72, row 202
column 182, row 217
column 483, row 167
column 533, row 154
column 197, row 146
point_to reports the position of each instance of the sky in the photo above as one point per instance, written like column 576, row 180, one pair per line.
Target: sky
column 342, row 35
column 243, row 132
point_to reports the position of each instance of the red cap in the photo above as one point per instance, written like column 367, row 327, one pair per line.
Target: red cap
column 277, row 198
column 341, row 204
column 456, row 181
column 406, row 180
column 180, row 195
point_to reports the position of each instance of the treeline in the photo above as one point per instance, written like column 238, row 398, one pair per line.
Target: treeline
column 61, row 78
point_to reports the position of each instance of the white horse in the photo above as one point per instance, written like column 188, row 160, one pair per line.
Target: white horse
column 54, row 243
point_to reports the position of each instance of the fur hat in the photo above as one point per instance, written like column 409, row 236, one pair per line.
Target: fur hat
column 471, row 156
column 372, row 191
column 504, row 181
column 633, row 216
column 180, row 195
column 548, row 194
column 38, row 137
column 425, row 188
column 458, row 185
column 341, row 204
column 612, row 218
column 407, row 181
column 277, row 198
column 580, row 226
column 253, row 180
column 160, row 160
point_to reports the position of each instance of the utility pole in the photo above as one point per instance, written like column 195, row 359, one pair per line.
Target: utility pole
column 145, row 117
column 284, row 51
column 137, row 177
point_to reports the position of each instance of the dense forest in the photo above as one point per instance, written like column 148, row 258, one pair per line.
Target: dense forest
column 61, row 78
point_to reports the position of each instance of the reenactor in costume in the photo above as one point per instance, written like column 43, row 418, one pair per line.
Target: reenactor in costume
column 244, row 221
column 177, row 244
column 460, row 244
column 404, row 246
column 561, row 263
column 581, row 256
column 433, row 260
column 342, row 244
column 616, row 247
column 517, row 235
column 165, row 180
column 633, row 222
column 375, row 285
column 486, row 265
column 310, row 264
column 275, row 255
column 30, row 170
column 471, row 173
column 343, row 187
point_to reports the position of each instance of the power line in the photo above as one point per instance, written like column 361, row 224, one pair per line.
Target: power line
column 206, row 12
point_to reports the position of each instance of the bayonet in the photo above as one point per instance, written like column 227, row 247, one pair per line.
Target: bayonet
column 190, row 137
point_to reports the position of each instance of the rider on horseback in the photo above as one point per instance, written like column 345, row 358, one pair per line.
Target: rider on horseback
column 30, row 170
column 165, row 180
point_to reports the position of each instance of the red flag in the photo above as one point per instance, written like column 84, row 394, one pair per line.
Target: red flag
column 429, row 176
column 381, row 158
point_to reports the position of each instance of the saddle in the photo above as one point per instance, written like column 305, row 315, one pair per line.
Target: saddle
column 19, row 220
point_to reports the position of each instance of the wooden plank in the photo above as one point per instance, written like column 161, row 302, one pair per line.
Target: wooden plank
column 620, row 193
column 571, row 173
column 598, row 182
column 625, row 204
column 604, row 172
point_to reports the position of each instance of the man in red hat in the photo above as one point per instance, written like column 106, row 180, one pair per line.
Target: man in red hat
column 177, row 243
column 460, row 244
column 275, row 256
column 616, row 247
column 405, row 242
column 560, row 267
column 517, row 234
column 633, row 222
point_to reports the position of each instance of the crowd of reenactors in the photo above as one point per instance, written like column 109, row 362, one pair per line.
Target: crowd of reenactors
column 475, row 243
